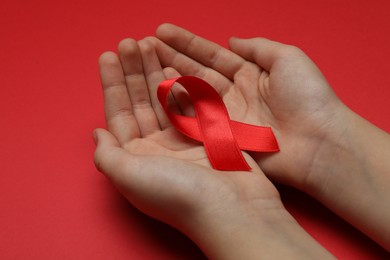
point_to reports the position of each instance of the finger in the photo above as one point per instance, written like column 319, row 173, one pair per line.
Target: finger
column 179, row 94
column 205, row 52
column 112, row 160
column 131, row 60
column 172, row 102
column 143, row 180
column 262, row 51
column 118, row 110
column 127, row 171
column 154, row 75
column 185, row 65
column 108, row 152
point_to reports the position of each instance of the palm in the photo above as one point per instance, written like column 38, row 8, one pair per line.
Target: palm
column 170, row 143
column 286, row 92
column 159, row 170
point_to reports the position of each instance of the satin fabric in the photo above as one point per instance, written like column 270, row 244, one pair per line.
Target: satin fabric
column 222, row 137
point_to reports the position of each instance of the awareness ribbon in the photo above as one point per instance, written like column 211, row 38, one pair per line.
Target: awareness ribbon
column 222, row 137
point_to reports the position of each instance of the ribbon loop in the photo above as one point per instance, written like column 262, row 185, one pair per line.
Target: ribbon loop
column 222, row 137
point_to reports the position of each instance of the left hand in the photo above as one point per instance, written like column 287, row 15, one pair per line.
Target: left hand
column 263, row 82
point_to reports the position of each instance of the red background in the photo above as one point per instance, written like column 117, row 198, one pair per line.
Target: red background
column 55, row 205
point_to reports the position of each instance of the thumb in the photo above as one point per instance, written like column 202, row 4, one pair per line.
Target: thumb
column 109, row 157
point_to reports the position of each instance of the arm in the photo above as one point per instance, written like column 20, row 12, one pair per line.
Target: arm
column 326, row 149
column 352, row 176
column 229, row 215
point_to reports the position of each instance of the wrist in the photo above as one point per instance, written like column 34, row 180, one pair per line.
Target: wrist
column 333, row 146
column 350, row 176
column 252, row 233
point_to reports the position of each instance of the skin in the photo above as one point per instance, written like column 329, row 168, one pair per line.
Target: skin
column 168, row 176
column 327, row 150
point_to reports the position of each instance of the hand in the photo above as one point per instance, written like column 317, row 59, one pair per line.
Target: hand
column 264, row 83
column 168, row 177
column 326, row 150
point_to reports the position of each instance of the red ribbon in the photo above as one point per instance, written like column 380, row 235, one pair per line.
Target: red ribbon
column 222, row 137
